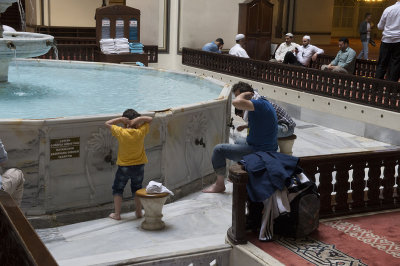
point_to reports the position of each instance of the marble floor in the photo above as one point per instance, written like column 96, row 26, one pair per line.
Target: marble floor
column 197, row 222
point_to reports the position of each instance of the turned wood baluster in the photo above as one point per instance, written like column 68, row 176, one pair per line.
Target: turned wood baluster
column 325, row 187
column 342, row 185
column 374, row 181
column 358, row 184
column 388, row 181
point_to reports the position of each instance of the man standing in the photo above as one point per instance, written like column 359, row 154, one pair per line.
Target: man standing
column 285, row 47
column 345, row 60
column 389, row 52
column 12, row 181
column 214, row 47
column 303, row 55
column 365, row 36
column 263, row 130
column 237, row 49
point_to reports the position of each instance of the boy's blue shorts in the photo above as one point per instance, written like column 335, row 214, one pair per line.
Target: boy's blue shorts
column 133, row 172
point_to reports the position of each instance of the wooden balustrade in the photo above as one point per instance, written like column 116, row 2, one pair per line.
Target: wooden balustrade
column 367, row 91
column 84, row 48
column 19, row 243
column 363, row 68
column 349, row 183
column 86, row 51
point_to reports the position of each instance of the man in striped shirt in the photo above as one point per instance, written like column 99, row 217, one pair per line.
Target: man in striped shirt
column 286, row 124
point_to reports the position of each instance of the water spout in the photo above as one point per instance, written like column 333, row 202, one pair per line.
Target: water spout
column 53, row 45
column 11, row 46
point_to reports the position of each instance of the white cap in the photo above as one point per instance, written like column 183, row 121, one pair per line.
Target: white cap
column 239, row 37
column 289, row 35
column 307, row 37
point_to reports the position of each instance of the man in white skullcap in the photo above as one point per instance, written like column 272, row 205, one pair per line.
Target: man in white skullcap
column 237, row 49
column 303, row 55
column 287, row 46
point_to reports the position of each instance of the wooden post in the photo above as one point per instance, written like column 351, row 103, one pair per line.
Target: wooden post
column 237, row 232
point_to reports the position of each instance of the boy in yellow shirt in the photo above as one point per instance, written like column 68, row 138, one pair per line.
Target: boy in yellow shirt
column 131, row 156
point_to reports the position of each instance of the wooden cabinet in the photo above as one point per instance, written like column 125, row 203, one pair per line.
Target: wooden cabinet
column 255, row 21
column 118, row 21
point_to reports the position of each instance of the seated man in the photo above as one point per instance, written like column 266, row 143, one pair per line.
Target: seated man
column 303, row 55
column 262, row 134
column 215, row 46
column 285, row 47
column 345, row 60
column 237, row 49
column 286, row 124
column 12, row 181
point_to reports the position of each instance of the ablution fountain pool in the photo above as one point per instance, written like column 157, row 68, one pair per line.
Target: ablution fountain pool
column 52, row 116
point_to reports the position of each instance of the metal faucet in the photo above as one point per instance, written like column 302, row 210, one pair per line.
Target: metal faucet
column 1, row 30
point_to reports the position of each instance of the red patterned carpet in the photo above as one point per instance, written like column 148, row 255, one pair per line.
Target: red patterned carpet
column 366, row 240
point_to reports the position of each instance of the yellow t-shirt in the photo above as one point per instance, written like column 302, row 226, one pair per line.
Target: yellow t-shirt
column 130, row 144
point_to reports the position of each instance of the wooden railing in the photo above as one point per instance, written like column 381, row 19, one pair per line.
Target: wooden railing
column 19, row 243
column 348, row 184
column 84, row 48
column 363, row 68
column 372, row 92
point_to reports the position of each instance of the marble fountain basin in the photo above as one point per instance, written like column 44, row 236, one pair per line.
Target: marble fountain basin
column 63, row 158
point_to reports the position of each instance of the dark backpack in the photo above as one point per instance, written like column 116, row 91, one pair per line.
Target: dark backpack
column 304, row 212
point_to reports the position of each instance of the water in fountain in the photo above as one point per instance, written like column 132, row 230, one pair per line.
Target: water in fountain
column 53, row 89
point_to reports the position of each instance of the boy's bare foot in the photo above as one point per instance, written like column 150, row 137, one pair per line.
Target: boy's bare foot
column 214, row 188
column 114, row 216
column 139, row 214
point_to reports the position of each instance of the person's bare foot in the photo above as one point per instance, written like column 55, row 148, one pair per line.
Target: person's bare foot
column 139, row 214
column 214, row 188
column 114, row 216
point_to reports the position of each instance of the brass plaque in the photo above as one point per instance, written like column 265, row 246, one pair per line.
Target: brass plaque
column 64, row 148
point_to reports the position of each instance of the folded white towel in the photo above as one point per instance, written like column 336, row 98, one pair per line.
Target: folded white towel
column 155, row 187
column 121, row 40
column 108, row 41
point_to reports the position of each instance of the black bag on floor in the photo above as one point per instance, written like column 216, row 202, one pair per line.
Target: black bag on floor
column 304, row 212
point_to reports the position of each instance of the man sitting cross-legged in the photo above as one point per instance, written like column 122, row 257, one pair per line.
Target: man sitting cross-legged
column 262, row 135
column 303, row 54
column 345, row 60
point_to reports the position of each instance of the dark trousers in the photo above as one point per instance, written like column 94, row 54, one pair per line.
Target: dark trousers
column 291, row 59
column 389, row 57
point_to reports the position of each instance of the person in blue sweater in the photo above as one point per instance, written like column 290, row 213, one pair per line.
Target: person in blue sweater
column 214, row 47
column 262, row 135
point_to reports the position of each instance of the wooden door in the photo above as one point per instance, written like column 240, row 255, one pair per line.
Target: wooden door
column 255, row 21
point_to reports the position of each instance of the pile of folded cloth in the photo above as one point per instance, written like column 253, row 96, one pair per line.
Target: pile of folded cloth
column 107, row 46
column 121, row 45
column 114, row 46
column 156, row 187
column 136, row 47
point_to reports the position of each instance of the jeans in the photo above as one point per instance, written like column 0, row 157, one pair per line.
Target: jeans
column 133, row 172
column 364, row 51
column 284, row 131
column 233, row 152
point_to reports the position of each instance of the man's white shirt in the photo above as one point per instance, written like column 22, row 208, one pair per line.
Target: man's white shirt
column 305, row 53
column 390, row 24
column 283, row 49
column 237, row 50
